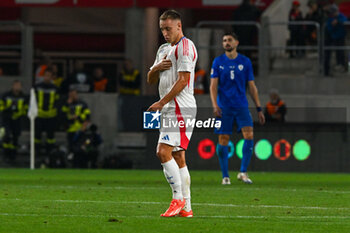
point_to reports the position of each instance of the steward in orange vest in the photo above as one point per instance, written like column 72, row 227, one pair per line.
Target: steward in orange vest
column 275, row 110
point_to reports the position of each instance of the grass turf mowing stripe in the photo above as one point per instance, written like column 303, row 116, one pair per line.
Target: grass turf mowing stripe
column 156, row 188
column 195, row 204
column 150, row 216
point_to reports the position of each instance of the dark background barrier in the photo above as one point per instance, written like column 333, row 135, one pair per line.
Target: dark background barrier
column 131, row 111
column 328, row 144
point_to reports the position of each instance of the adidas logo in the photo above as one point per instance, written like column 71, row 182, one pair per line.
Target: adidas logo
column 166, row 138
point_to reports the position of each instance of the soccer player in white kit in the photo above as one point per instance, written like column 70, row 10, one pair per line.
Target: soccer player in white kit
column 174, row 67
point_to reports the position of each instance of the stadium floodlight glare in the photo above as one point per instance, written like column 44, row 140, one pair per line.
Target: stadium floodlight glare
column 263, row 149
column 301, row 150
column 239, row 148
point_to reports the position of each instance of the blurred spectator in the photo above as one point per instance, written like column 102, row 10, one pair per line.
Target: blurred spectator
column 297, row 36
column 1, row 72
column 314, row 14
column 324, row 6
column 335, row 36
column 276, row 109
column 57, row 80
column 77, row 116
column 129, row 79
column 48, row 99
column 100, row 81
column 79, row 80
column 86, row 148
column 13, row 106
column 39, row 73
column 247, row 11
column 200, row 81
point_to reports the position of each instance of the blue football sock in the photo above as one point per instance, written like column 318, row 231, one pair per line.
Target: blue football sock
column 223, row 159
column 247, row 154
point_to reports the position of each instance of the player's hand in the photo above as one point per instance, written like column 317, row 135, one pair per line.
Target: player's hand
column 217, row 112
column 165, row 64
column 156, row 106
column 261, row 117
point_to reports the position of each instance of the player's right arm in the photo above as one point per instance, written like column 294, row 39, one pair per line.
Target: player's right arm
column 153, row 74
column 213, row 96
column 214, row 83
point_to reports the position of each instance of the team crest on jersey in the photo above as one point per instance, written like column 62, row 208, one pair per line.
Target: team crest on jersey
column 240, row 67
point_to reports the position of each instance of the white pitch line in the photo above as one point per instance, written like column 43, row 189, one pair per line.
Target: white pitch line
column 293, row 190
column 195, row 204
column 149, row 216
column 158, row 188
column 55, row 215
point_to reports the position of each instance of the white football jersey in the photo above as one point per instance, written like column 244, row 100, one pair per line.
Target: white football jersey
column 183, row 56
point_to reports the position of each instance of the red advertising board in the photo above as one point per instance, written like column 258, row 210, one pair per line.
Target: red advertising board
column 67, row 3
column 131, row 3
column 199, row 3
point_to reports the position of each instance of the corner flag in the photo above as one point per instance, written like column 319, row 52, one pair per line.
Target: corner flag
column 33, row 106
column 32, row 114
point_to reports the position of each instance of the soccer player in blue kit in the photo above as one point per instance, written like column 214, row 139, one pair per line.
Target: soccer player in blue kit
column 231, row 73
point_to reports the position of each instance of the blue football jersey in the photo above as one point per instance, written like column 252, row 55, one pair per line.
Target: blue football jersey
column 233, row 75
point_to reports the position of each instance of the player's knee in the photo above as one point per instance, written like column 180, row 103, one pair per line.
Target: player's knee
column 180, row 160
column 224, row 139
column 248, row 135
column 160, row 153
column 176, row 156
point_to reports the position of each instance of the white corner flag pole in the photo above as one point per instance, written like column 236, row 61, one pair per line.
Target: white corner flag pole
column 32, row 114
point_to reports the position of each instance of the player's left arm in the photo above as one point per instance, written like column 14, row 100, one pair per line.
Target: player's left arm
column 253, row 91
column 180, row 84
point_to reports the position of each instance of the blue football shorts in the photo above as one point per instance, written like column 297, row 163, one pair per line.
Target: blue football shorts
column 240, row 116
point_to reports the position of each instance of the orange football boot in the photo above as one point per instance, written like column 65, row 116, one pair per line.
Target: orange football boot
column 186, row 214
column 174, row 208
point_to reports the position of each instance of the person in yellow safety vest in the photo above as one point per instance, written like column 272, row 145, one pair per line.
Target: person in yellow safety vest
column 77, row 116
column 13, row 106
column 48, row 99
column 129, row 79
column 56, row 79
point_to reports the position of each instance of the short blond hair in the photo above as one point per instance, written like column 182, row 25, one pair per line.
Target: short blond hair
column 170, row 14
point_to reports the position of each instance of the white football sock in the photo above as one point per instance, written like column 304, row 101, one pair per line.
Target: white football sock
column 172, row 174
column 185, row 185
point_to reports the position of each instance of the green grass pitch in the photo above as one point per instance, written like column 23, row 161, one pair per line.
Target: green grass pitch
column 131, row 201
